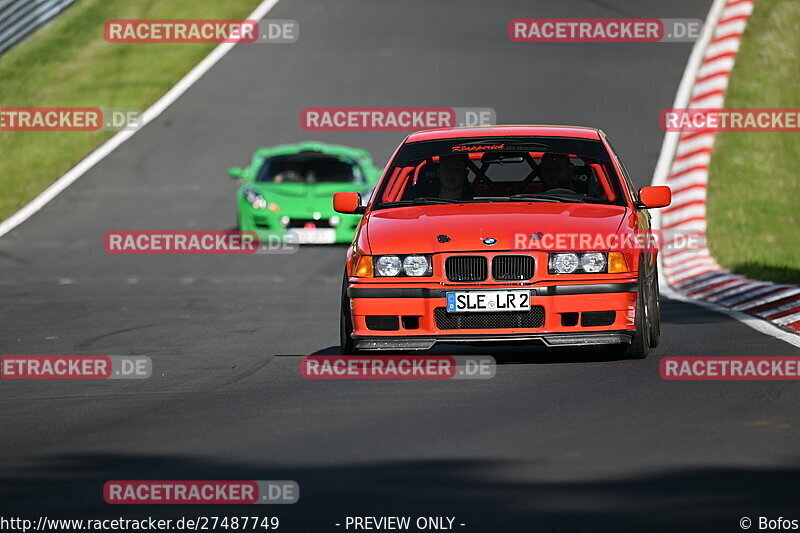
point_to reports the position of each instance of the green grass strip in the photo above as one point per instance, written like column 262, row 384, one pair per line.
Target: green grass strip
column 69, row 63
column 754, row 182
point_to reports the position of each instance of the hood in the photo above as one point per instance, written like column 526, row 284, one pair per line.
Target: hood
column 415, row 229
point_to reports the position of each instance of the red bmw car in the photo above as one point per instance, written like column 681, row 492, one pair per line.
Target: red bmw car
column 503, row 234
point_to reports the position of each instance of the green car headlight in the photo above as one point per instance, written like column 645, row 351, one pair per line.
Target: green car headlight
column 255, row 199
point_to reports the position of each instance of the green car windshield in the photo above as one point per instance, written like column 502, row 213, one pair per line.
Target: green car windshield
column 310, row 168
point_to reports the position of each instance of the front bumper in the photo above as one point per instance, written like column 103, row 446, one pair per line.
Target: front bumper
column 268, row 228
column 340, row 235
column 546, row 339
column 563, row 307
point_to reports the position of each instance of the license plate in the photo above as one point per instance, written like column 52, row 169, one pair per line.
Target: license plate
column 310, row 236
column 483, row 301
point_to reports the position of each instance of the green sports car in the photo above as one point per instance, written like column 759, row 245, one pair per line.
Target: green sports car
column 287, row 192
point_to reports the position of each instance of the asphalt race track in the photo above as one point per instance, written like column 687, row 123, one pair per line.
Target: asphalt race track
column 559, row 440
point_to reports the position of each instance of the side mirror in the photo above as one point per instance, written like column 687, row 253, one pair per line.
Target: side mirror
column 658, row 196
column 348, row 203
column 236, row 173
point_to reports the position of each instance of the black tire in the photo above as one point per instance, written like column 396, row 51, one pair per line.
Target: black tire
column 639, row 347
column 346, row 344
column 655, row 314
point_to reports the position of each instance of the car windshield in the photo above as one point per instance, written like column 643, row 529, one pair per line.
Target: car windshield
column 310, row 168
column 509, row 169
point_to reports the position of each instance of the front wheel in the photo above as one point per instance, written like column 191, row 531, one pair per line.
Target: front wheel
column 346, row 344
column 639, row 347
column 655, row 314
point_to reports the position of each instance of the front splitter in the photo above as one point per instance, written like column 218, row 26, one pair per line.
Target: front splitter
column 546, row 339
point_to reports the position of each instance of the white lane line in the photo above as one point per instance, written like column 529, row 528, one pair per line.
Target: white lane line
column 110, row 145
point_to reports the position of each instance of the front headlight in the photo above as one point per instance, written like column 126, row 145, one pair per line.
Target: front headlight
column 388, row 265
column 255, row 199
column 586, row 263
column 416, row 265
column 593, row 262
column 563, row 263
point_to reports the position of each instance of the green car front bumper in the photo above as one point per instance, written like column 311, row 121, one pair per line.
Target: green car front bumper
column 301, row 229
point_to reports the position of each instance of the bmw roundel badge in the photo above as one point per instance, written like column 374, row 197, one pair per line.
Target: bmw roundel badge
column 488, row 241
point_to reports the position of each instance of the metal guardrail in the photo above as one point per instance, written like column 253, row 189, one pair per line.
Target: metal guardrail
column 19, row 18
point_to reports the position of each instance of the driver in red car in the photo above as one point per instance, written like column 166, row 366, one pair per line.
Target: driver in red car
column 556, row 171
column 453, row 180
